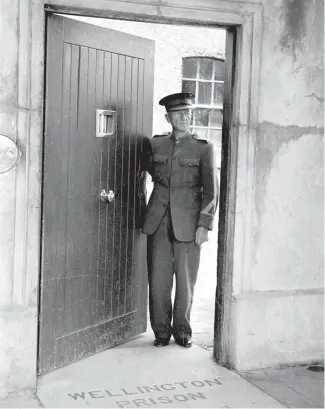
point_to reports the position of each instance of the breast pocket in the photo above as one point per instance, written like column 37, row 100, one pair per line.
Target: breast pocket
column 159, row 166
column 190, row 170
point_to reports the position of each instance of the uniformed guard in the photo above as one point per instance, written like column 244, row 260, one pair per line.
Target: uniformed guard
column 179, row 214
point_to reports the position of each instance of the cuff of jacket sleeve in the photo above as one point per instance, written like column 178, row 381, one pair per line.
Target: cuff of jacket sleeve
column 206, row 220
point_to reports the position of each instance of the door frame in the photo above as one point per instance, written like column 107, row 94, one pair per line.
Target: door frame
column 244, row 22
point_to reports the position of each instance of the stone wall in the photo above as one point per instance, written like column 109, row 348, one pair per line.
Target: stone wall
column 279, row 309
column 21, row 114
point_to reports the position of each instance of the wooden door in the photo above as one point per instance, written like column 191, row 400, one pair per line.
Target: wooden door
column 93, row 276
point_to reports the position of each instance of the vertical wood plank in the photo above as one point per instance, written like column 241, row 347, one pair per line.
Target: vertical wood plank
column 84, row 174
column 102, row 241
column 139, row 268
column 109, row 170
column 116, row 219
column 63, row 164
column 121, row 161
column 64, row 150
column 126, row 244
column 72, row 258
column 94, row 202
column 134, row 192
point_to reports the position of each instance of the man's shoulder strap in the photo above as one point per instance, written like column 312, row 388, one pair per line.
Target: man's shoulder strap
column 200, row 138
column 163, row 134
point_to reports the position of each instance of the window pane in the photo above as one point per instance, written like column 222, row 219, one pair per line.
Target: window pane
column 202, row 132
column 216, row 117
column 188, row 86
column 201, row 116
column 215, row 137
column 219, row 70
column 204, row 96
column 190, row 67
column 218, row 94
column 206, row 68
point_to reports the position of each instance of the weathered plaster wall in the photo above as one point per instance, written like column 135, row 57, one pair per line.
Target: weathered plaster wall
column 277, row 328
column 13, row 340
column 288, row 237
column 18, row 352
column 21, row 39
column 278, row 311
column 8, row 125
column 289, row 200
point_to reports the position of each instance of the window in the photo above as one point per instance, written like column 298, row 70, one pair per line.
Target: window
column 205, row 78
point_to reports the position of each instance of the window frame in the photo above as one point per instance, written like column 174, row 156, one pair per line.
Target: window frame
column 199, row 80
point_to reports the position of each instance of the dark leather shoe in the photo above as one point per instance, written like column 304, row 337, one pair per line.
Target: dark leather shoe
column 184, row 342
column 161, row 342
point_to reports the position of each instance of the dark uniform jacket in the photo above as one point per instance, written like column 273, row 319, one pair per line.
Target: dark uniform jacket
column 184, row 177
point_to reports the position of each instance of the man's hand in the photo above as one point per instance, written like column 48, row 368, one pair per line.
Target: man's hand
column 201, row 235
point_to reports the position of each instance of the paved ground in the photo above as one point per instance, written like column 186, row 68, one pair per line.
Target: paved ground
column 294, row 387
column 137, row 374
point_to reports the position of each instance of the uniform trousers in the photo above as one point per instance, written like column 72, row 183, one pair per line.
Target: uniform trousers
column 166, row 257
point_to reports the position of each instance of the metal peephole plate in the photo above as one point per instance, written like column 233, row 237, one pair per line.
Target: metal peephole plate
column 9, row 154
column 105, row 122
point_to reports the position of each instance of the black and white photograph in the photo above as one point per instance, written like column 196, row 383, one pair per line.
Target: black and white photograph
column 162, row 204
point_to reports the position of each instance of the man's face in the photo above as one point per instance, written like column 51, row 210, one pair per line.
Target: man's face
column 180, row 120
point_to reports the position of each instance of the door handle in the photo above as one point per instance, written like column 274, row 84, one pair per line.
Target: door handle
column 107, row 197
